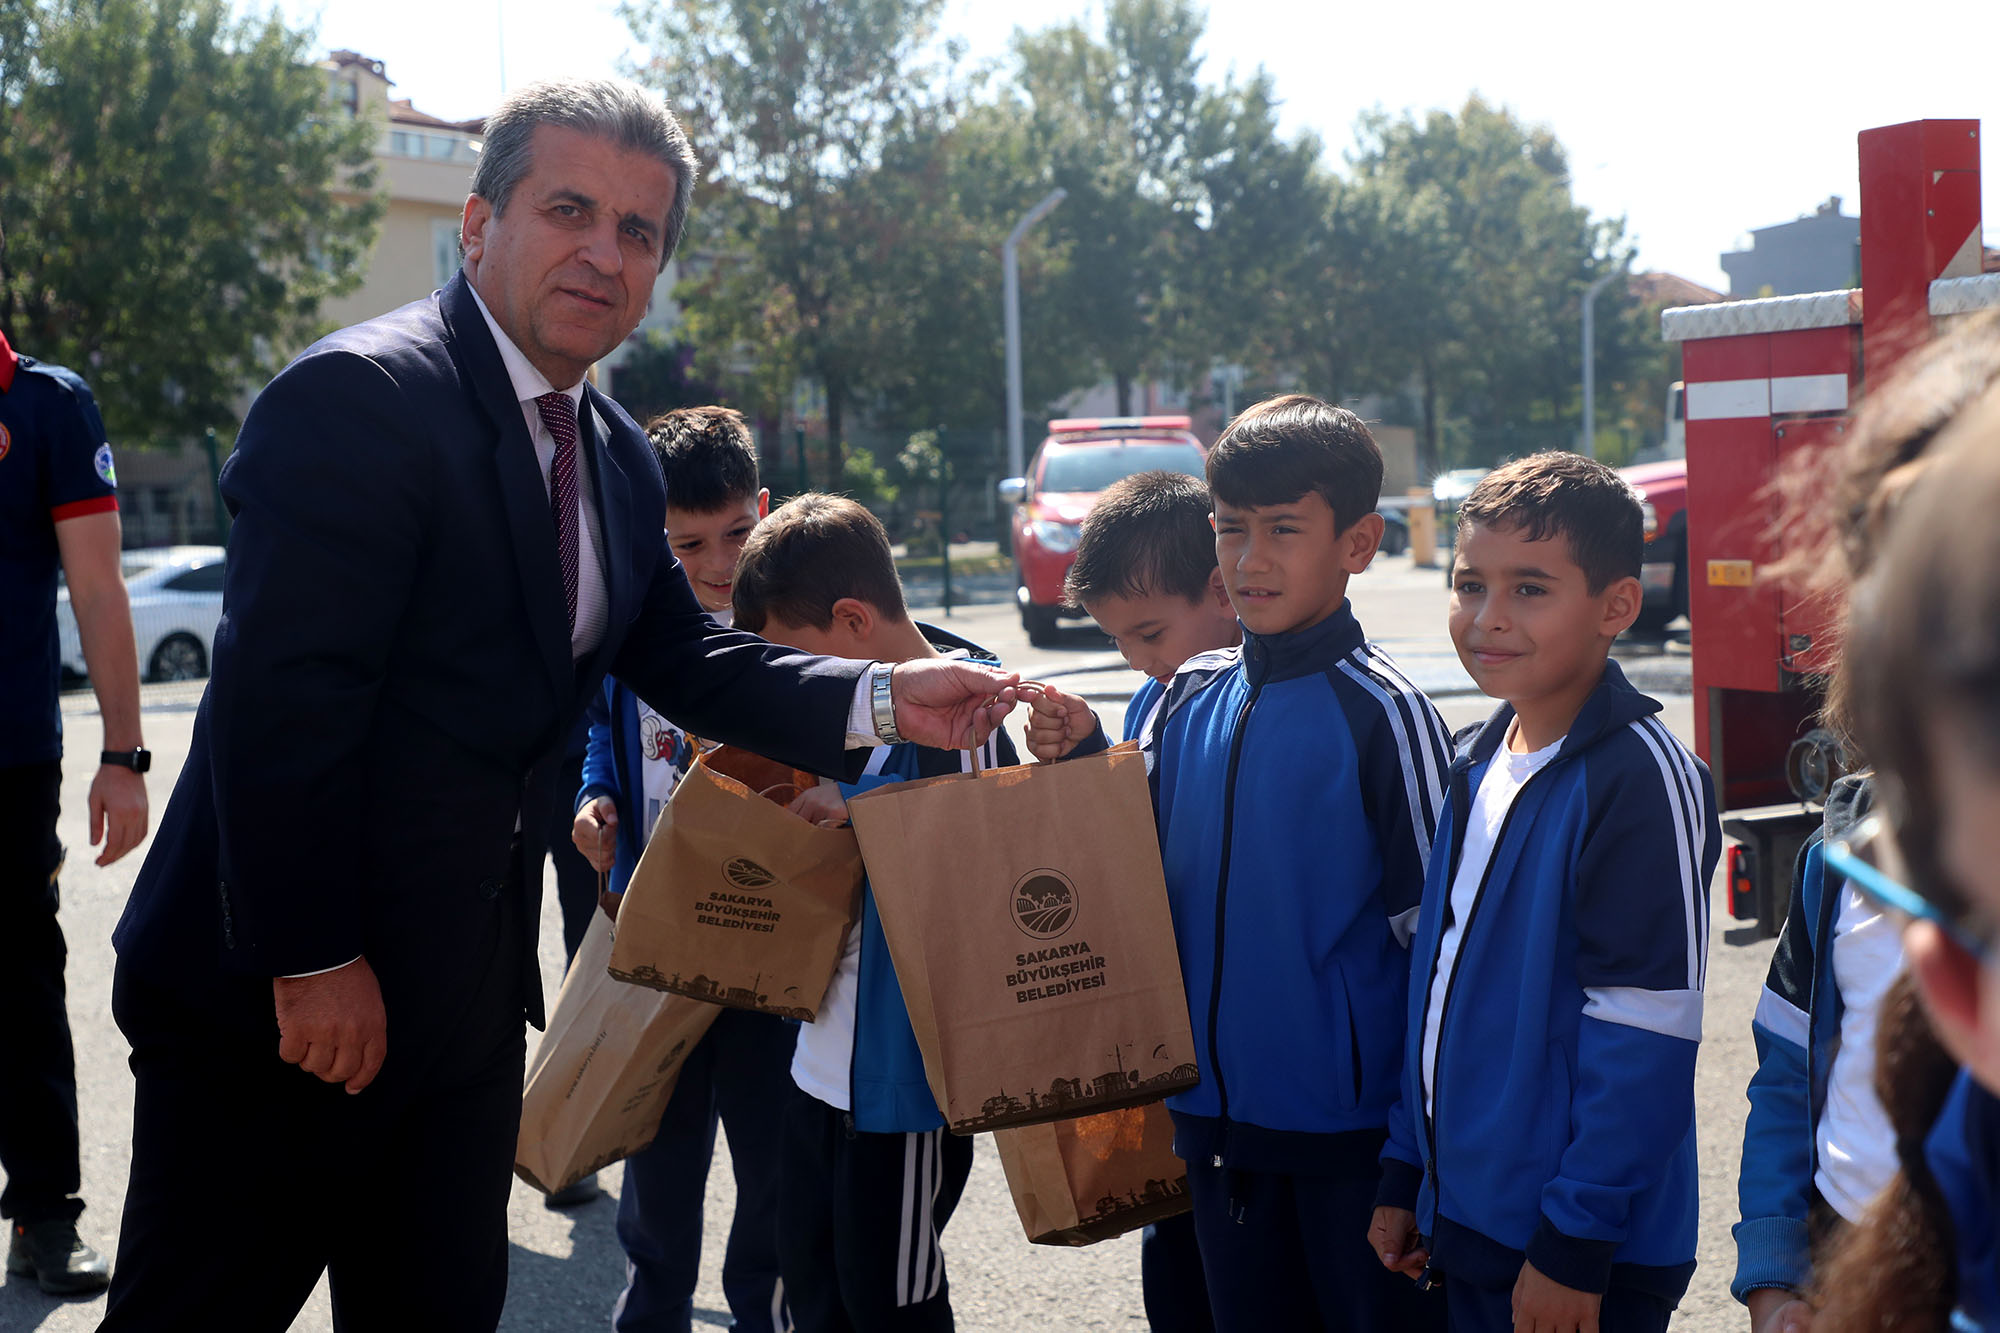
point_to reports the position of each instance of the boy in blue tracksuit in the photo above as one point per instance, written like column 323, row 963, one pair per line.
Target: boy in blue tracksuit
column 1297, row 783
column 1542, row 1157
column 1145, row 571
column 869, row 1176
column 737, row 1076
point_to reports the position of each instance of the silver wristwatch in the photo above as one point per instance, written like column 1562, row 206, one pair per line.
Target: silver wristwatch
column 884, row 704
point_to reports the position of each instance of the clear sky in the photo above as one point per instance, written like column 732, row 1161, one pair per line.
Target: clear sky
column 1695, row 121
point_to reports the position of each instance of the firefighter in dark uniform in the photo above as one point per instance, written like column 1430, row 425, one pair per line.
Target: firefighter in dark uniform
column 58, row 509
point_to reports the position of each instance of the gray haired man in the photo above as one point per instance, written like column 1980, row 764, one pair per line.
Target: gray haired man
column 444, row 540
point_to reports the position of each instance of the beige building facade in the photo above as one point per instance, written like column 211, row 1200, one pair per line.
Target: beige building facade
column 423, row 168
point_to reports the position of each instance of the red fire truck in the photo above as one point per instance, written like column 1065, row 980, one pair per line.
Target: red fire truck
column 1767, row 378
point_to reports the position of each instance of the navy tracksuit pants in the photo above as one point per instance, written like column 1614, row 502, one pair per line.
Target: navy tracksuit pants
column 1476, row 1309
column 1291, row 1252
column 739, row 1076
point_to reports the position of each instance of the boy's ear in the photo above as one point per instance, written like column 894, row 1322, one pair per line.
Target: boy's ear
column 764, row 503
column 1218, row 590
column 1623, row 601
column 1358, row 544
column 854, row 616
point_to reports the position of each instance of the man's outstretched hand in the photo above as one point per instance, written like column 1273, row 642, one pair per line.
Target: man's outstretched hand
column 333, row 1025
column 938, row 702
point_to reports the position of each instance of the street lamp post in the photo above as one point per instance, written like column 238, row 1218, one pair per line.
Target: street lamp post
column 1010, row 273
column 1590, row 363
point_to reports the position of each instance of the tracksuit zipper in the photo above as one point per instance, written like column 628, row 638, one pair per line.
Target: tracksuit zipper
column 1221, row 907
column 1461, row 799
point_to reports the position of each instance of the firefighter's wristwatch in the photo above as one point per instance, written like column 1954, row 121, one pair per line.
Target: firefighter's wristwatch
column 139, row 759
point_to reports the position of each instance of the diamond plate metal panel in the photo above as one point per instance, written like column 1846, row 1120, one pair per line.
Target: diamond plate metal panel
column 1770, row 314
column 1962, row 296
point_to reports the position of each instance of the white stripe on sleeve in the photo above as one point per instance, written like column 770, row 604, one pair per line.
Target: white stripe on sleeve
column 1690, row 889
column 1781, row 1018
column 1421, row 797
column 1671, row 1013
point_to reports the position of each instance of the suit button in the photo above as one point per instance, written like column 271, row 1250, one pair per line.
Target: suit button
column 489, row 889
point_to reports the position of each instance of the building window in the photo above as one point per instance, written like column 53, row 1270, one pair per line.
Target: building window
column 444, row 249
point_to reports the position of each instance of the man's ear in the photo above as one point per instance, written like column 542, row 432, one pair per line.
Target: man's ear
column 1358, row 544
column 1623, row 601
column 764, row 503
column 472, row 228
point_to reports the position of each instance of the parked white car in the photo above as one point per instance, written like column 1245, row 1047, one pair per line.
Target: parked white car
column 176, row 594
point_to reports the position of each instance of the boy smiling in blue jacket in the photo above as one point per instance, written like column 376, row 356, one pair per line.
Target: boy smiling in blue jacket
column 1544, row 1147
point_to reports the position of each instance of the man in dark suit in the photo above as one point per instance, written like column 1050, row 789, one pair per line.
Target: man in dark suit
column 444, row 539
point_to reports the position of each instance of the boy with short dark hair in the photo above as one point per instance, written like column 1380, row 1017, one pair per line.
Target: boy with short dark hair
column 737, row 1076
column 1297, row 784
column 1542, row 1158
column 869, row 1175
column 1145, row 571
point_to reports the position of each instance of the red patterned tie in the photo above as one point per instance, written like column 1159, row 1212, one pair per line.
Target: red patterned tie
column 559, row 415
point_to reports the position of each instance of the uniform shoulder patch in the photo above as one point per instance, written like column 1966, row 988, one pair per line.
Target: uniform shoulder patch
column 6, row 440
column 104, row 466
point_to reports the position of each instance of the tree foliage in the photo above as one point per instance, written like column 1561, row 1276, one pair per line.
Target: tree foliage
column 862, row 184
column 1487, row 322
column 178, row 197
column 792, row 105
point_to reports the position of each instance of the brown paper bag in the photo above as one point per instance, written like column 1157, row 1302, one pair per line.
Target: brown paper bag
column 1027, row 918
column 736, row 901
column 1076, row 1182
column 601, row 1078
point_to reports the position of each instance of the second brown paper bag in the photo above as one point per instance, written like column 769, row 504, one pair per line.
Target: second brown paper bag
column 1076, row 1182
column 1027, row 918
column 737, row 901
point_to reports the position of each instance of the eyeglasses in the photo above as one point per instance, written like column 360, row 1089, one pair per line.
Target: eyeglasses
column 1868, row 858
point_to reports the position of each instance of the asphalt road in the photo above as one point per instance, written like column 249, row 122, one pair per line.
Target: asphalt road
column 567, row 1268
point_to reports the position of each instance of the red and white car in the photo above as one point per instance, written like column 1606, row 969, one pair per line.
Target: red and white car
column 1074, row 465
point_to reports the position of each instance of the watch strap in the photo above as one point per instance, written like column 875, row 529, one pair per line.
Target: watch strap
column 882, row 703
column 139, row 759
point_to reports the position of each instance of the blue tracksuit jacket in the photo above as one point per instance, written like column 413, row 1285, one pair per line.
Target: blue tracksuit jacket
column 1564, row 1080
column 1964, row 1155
column 1297, row 782
column 1797, row 1031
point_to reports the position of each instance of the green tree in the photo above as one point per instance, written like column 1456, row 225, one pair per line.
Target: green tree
column 1115, row 121
column 1494, row 339
column 658, row 376
column 179, row 197
column 1269, row 283
column 936, row 213
column 792, row 104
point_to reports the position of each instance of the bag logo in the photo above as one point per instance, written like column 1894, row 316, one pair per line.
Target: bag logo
column 1044, row 903
column 747, row 874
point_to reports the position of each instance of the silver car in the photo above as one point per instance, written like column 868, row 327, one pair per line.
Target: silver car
column 176, row 594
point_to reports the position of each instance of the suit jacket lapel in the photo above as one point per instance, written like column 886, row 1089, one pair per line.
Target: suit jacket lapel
column 522, row 491
column 614, row 528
